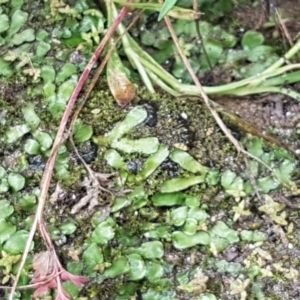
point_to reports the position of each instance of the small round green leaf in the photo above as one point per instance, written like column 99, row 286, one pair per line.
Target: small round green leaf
column 42, row 49
column 67, row 228
column 16, row 132
column 30, row 116
column 44, row 139
column 66, row 71
column 154, row 271
column 222, row 230
column 103, row 233
column 84, row 133
column 4, row 23
column 252, row 39
column 190, row 226
column 18, row 19
column 152, row 250
column 2, row 172
column 178, row 215
column 16, row 243
column 119, row 266
column 93, row 255
column 6, row 230
column 32, row 147
column 16, row 181
column 6, row 209
column 214, row 50
column 137, row 267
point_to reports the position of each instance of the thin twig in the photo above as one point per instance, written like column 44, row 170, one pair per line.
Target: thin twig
column 221, row 124
column 197, row 25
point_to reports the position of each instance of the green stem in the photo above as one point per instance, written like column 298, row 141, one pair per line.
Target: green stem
column 130, row 53
column 144, row 76
column 161, row 84
column 263, row 89
column 260, row 83
column 283, row 79
column 283, row 59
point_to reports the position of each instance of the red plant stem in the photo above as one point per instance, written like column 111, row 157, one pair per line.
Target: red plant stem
column 47, row 176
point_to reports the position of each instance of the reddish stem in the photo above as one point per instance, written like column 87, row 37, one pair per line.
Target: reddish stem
column 47, row 176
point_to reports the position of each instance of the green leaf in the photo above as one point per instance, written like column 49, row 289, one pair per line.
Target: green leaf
column 168, row 199
column 4, row 24
column 103, row 233
column 199, row 214
column 32, row 147
column 6, row 209
column 208, row 297
column 2, row 172
column 48, row 75
column 4, row 187
column 16, row 243
column 68, row 228
column 18, row 19
column 28, row 202
column 154, row 271
column 25, row 36
column 252, row 39
column 253, row 236
column 44, row 139
column 119, row 203
column 137, row 267
column 187, row 162
column 232, row 184
column 65, row 90
column 148, row 38
column 82, row 132
column 118, row 267
column 152, row 250
column 42, row 35
column 16, row 181
column 259, row 53
column 214, row 50
column 93, row 255
column 179, row 184
column 143, row 145
column 182, row 240
column 267, row 184
column 136, row 116
column 16, row 4
column 66, row 71
column 6, row 230
column 284, row 172
column 153, row 162
column 114, row 159
column 42, row 49
column 30, row 116
column 190, row 226
column 5, row 66
column 222, row 230
column 71, row 288
column 178, row 215
column 167, row 6
column 16, row 132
